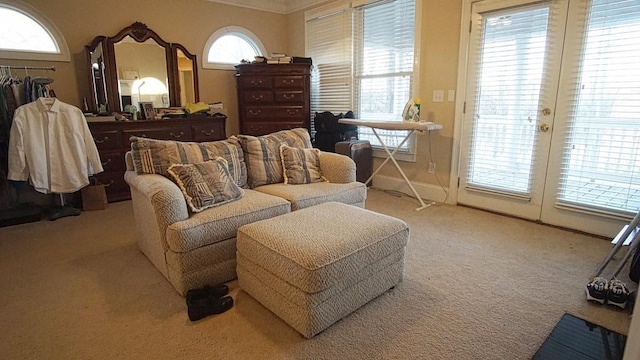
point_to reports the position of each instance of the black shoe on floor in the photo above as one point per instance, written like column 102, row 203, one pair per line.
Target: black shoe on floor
column 618, row 293
column 214, row 292
column 203, row 307
column 597, row 290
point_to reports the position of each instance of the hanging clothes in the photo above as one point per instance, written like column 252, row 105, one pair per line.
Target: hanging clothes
column 7, row 108
column 12, row 95
column 50, row 145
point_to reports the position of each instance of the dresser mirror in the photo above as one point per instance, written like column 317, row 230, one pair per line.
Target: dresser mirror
column 137, row 66
column 187, row 80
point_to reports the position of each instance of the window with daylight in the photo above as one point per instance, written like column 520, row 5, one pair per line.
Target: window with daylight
column 230, row 45
column 28, row 35
column 363, row 57
column 601, row 162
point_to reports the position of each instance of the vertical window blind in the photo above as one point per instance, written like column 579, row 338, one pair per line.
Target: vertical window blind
column 363, row 59
column 601, row 161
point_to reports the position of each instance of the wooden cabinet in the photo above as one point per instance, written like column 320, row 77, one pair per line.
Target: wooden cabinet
column 273, row 97
column 112, row 141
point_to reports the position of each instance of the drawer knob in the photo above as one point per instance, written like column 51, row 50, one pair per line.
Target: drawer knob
column 104, row 139
column 287, row 81
column 256, row 82
column 292, row 112
column 288, row 96
column 254, row 112
column 177, row 136
column 106, row 162
column 257, row 97
column 205, row 133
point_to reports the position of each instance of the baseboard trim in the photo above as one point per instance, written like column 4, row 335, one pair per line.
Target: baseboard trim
column 426, row 191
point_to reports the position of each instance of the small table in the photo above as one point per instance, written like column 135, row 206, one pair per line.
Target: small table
column 421, row 126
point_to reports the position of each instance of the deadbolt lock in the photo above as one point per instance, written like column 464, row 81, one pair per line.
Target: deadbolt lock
column 546, row 111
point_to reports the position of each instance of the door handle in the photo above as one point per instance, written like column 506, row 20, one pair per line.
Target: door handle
column 544, row 127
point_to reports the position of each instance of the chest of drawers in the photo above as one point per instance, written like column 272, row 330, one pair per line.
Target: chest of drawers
column 112, row 141
column 273, row 97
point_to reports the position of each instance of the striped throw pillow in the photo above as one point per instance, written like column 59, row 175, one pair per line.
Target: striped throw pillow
column 151, row 156
column 301, row 166
column 262, row 154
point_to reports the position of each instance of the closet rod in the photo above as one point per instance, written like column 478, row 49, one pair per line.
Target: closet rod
column 52, row 68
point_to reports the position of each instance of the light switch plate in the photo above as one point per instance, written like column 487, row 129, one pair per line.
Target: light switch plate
column 451, row 96
column 438, row 95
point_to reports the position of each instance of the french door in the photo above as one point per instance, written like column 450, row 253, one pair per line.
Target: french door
column 551, row 130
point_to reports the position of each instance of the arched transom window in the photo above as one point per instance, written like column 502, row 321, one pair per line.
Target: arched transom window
column 27, row 34
column 230, row 45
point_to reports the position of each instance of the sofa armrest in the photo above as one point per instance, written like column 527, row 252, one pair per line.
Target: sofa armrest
column 337, row 168
column 128, row 160
column 156, row 197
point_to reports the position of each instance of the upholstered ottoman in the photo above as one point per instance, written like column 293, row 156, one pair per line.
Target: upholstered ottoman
column 314, row 266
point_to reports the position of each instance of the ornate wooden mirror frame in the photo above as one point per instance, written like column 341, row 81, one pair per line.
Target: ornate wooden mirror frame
column 103, row 70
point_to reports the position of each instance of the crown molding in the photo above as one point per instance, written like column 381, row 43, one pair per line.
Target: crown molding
column 296, row 5
column 276, row 6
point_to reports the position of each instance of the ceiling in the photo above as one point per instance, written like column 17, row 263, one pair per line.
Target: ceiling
column 277, row 6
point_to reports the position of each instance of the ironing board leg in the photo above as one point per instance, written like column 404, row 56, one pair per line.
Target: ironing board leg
column 390, row 154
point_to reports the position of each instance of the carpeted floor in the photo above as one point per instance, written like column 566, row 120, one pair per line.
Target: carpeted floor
column 476, row 286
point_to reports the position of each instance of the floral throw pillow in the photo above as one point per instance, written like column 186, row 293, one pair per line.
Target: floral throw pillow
column 301, row 166
column 206, row 184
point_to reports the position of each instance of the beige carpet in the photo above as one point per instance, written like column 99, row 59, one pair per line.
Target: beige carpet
column 476, row 286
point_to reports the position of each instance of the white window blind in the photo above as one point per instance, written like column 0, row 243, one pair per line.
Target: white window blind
column 329, row 46
column 383, row 64
column 363, row 61
column 510, row 64
column 601, row 163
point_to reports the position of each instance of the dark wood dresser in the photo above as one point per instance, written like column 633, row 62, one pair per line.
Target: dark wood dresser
column 273, row 97
column 112, row 141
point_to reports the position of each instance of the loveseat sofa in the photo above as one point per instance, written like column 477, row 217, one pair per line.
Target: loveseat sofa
column 194, row 247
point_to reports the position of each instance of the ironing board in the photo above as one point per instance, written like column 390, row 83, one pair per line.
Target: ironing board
column 412, row 127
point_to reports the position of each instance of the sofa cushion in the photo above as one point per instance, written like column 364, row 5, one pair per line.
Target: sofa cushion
column 206, row 184
column 151, row 156
column 262, row 154
column 300, row 166
column 222, row 222
column 300, row 197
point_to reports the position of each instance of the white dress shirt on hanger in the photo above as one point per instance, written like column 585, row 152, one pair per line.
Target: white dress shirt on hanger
column 50, row 145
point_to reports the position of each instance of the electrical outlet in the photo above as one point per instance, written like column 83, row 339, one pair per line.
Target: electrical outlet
column 432, row 168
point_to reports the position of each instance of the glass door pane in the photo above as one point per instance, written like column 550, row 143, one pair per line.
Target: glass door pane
column 514, row 56
column 511, row 69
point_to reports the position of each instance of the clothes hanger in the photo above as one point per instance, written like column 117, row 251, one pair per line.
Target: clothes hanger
column 3, row 74
column 44, row 80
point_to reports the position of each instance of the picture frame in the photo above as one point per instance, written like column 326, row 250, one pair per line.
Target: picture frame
column 147, row 110
column 130, row 75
